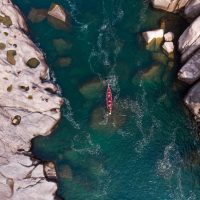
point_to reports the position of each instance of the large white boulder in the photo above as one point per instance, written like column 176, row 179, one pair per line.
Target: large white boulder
column 149, row 36
column 189, row 41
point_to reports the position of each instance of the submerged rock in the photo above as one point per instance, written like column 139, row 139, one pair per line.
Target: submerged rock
column 92, row 89
column 50, row 171
column 37, row 15
column 65, row 172
column 107, row 123
column 190, row 72
column 160, row 58
column 64, row 62
column 61, row 45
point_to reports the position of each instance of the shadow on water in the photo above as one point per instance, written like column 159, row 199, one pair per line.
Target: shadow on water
column 147, row 149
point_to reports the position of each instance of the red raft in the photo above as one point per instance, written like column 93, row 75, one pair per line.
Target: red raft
column 109, row 99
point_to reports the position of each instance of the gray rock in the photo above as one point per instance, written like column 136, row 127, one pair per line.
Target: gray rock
column 192, row 10
column 189, row 41
column 192, row 100
column 190, row 72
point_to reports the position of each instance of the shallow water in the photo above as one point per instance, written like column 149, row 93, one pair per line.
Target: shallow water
column 147, row 149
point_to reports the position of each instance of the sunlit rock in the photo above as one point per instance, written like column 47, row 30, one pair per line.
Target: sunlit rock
column 101, row 121
column 157, row 35
column 57, row 12
column 169, row 36
column 168, row 48
column 92, row 89
column 37, row 15
column 58, row 17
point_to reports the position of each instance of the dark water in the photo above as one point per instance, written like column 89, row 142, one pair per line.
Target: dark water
column 147, row 149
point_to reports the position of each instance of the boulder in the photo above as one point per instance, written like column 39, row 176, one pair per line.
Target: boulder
column 91, row 89
column 169, row 5
column 37, row 15
column 169, row 36
column 192, row 100
column 192, row 10
column 64, row 61
column 149, row 36
column 57, row 12
column 189, row 41
column 50, row 170
column 168, row 47
column 190, row 72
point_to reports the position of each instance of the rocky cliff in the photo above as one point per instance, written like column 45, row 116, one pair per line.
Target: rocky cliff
column 189, row 47
column 29, row 106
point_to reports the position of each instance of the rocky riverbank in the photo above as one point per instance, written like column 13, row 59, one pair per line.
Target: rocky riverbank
column 29, row 106
column 189, row 47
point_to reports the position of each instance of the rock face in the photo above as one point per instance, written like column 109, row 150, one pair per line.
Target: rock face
column 192, row 10
column 192, row 100
column 190, row 72
column 169, row 5
column 189, row 41
column 189, row 47
column 27, row 109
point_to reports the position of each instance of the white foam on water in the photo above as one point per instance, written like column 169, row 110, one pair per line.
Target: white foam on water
column 74, row 11
column 68, row 114
column 99, row 53
column 148, row 136
column 142, row 16
column 91, row 148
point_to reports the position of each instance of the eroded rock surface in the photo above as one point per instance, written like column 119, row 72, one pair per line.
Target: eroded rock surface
column 190, row 72
column 27, row 109
column 170, row 5
column 192, row 10
column 189, row 41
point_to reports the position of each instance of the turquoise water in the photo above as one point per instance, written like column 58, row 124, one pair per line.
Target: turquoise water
column 147, row 149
